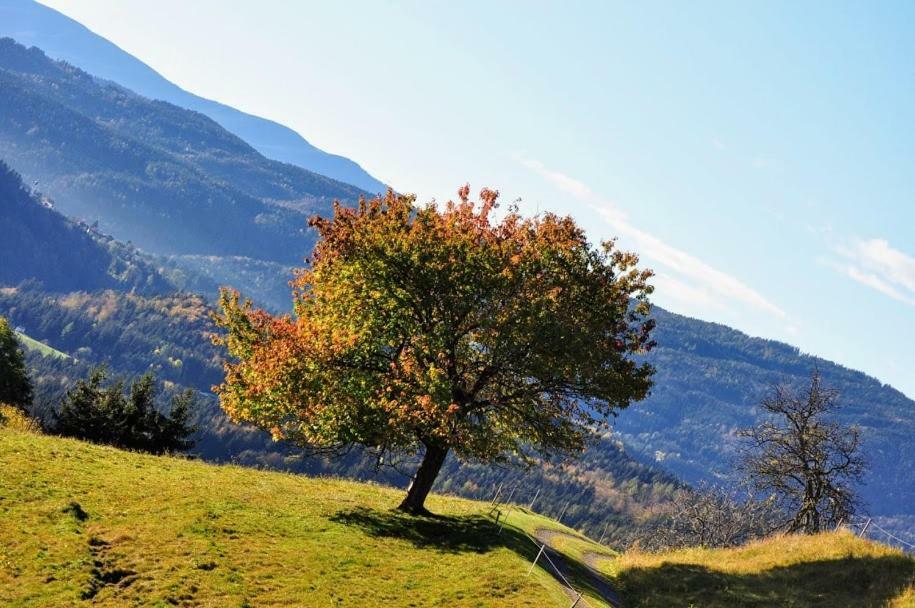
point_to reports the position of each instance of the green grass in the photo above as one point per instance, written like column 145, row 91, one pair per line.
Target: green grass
column 833, row 569
column 41, row 347
column 90, row 525
column 85, row 525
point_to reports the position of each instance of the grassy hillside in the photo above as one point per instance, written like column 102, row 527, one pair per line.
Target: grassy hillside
column 80, row 522
column 85, row 522
column 829, row 570
column 40, row 347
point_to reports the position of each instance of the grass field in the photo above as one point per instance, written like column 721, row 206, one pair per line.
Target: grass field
column 84, row 525
column 828, row 570
column 89, row 525
column 41, row 347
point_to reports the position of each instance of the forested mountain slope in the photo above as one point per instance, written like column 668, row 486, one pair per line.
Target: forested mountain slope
column 63, row 38
column 169, row 180
column 37, row 242
column 709, row 383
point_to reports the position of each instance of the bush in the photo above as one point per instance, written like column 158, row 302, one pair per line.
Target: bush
column 709, row 516
column 106, row 414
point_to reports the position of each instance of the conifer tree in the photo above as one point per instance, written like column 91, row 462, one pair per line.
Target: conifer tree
column 15, row 385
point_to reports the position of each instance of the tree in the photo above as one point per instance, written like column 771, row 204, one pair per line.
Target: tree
column 419, row 328
column 805, row 461
column 709, row 516
column 106, row 414
column 15, row 386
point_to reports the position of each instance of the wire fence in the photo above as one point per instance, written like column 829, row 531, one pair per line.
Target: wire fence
column 869, row 528
column 543, row 549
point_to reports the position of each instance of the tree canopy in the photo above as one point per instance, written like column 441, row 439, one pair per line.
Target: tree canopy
column 15, row 386
column 441, row 328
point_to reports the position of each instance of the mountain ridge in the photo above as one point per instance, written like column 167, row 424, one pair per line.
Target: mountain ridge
column 64, row 38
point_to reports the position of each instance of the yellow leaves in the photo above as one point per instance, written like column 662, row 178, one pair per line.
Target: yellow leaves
column 404, row 304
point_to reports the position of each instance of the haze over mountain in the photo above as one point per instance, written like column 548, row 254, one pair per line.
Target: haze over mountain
column 34, row 24
column 169, row 180
column 39, row 243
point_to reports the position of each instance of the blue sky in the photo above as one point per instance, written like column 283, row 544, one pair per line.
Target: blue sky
column 760, row 157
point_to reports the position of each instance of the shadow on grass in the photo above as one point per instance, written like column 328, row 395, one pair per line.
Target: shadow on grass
column 469, row 533
column 852, row 581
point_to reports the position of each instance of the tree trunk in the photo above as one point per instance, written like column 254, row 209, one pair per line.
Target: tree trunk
column 422, row 482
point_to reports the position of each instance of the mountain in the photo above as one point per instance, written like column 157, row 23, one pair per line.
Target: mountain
column 37, row 241
column 168, row 180
column 33, row 24
column 710, row 380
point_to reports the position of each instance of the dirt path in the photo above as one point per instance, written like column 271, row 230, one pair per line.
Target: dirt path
column 596, row 580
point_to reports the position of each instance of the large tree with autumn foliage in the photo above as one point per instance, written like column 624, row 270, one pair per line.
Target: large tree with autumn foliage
column 436, row 329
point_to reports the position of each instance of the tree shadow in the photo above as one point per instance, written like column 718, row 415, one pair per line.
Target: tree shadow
column 453, row 534
column 850, row 581
column 467, row 533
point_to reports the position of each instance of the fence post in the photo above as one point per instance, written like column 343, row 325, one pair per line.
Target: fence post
column 601, row 540
column 496, row 495
column 539, row 553
column 563, row 512
column 864, row 529
column 511, row 494
column 509, row 512
column 530, row 507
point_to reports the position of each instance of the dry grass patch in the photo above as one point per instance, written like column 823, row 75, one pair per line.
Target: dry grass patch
column 831, row 569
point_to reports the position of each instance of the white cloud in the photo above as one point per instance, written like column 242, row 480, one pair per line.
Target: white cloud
column 694, row 278
column 876, row 264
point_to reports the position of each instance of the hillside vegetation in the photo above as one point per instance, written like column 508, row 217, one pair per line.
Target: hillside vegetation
column 169, row 180
column 80, row 522
column 63, row 38
column 85, row 522
column 40, row 243
column 828, row 570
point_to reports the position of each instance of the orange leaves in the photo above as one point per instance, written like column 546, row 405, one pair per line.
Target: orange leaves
column 445, row 324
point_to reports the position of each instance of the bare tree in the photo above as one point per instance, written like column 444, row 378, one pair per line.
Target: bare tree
column 709, row 516
column 806, row 462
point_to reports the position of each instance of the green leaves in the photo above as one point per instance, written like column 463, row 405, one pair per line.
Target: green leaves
column 427, row 325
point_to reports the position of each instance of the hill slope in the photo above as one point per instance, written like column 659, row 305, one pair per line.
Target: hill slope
column 88, row 522
column 709, row 383
column 825, row 571
column 39, row 243
column 63, row 38
column 82, row 522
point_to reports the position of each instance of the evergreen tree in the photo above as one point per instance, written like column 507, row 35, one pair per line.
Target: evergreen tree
column 15, row 386
column 103, row 412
